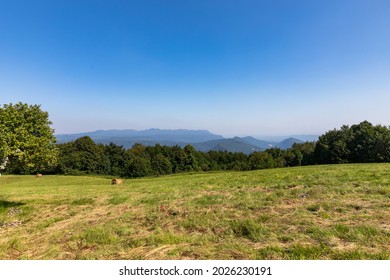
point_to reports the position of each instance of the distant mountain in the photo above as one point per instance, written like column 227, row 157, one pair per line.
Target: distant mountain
column 235, row 144
column 201, row 140
column 306, row 138
column 129, row 137
column 259, row 143
column 303, row 137
column 288, row 143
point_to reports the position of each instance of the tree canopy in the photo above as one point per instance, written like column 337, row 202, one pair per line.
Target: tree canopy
column 27, row 145
column 27, row 142
column 359, row 143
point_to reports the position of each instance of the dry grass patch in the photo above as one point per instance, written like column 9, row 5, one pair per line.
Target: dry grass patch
column 318, row 212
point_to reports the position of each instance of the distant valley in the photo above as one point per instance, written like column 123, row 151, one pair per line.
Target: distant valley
column 201, row 140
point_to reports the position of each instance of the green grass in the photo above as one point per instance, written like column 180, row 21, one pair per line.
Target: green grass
column 315, row 212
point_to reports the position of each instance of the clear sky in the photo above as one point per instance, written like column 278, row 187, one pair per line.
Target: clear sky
column 244, row 67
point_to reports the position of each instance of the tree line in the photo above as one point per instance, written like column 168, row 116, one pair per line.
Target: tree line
column 359, row 143
column 27, row 146
column 84, row 156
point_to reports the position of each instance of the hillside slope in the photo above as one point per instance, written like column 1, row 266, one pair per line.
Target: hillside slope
column 314, row 212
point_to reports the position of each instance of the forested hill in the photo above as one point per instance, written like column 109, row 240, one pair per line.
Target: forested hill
column 359, row 143
column 202, row 140
column 128, row 136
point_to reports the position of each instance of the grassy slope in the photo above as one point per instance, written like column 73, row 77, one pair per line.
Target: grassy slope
column 316, row 212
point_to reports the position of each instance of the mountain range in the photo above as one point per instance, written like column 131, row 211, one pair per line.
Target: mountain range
column 201, row 140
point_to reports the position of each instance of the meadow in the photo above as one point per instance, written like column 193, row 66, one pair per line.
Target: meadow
column 313, row 212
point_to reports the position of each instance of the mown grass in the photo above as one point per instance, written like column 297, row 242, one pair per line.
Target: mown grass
column 315, row 212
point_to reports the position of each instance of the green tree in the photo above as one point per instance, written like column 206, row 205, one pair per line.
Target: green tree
column 361, row 142
column 27, row 142
column 137, row 162
column 191, row 163
column 117, row 157
column 300, row 154
column 369, row 143
column 178, row 159
column 161, row 165
column 332, row 147
column 137, row 166
column 82, row 156
column 261, row 160
column 278, row 155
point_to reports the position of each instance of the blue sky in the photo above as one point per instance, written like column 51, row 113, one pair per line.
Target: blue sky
column 232, row 67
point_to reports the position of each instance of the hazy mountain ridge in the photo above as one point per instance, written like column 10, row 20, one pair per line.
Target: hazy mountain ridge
column 153, row 134
column 235, row 144
column 287, row 143
column 201, row 140
column 259, row 143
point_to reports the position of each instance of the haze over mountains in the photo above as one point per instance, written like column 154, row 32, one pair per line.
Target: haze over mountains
column 201, row 140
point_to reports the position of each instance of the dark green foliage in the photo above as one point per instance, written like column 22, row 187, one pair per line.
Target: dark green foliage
column 116, row 156
column 261, row 160
column 222, row 160
column 369, row 143
column 191, row 163
column 332, row 146
column 279, row 157
column 161, row 165
column 138, row 166
column 178, row 158
column 82, row 156
column 300, row 154
column 359, row 143
column 306, row 150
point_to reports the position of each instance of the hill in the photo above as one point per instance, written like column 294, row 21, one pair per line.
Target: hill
column 288, row 143
column 235, row 144
column 314, row 212
column 130, row 136
column 202, row 140
column 259, row 143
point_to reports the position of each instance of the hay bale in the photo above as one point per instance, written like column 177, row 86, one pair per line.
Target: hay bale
column 38, row 175
column 116, row 181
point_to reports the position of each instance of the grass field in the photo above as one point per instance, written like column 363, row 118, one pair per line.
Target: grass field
column 315, row 212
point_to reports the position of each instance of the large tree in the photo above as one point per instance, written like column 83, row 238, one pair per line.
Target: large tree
column 361, row 142
column 27, row 142
column 369, row 143
column 82, row 156
column 332, row 147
